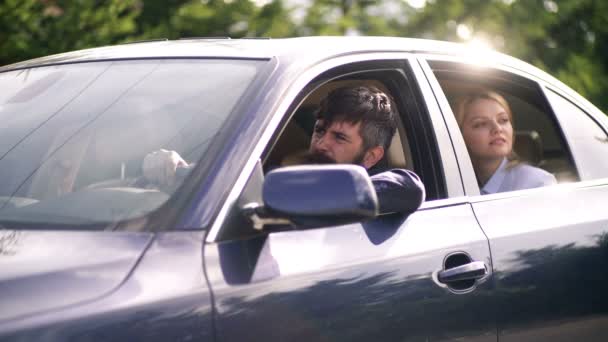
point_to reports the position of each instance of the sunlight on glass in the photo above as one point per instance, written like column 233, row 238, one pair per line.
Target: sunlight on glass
column 463, row 32
column 417, row 4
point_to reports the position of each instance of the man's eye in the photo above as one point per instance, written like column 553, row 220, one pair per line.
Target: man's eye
column 319, row 130
column 341, row 138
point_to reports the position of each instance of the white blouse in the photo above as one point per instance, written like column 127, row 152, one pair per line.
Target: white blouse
column 519, row 177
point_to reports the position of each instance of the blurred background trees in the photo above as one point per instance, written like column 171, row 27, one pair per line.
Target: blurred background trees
column 567, row 38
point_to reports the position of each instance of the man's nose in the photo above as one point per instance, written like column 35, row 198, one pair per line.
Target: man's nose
column 321, row 143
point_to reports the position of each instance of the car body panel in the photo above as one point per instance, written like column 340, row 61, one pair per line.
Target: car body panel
column 352, row 283
column 549, row 261
column 44, row 270
column 165, row 298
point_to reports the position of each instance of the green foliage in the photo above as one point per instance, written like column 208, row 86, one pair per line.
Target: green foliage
column 343, row 17
column 272, row 20
column 31, row 28
column 567, row 38
column 216, row 18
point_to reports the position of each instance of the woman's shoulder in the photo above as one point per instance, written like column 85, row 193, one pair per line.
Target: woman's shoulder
column 525, row 168
column 532, row 174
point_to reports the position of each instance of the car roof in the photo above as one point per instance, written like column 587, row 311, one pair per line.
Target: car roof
column 303, row 48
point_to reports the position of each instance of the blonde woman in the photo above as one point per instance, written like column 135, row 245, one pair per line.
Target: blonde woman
column 486, row 122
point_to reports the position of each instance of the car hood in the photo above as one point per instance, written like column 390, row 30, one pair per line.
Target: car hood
column 50, row 270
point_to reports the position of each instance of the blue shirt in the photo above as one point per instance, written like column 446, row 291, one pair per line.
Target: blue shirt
column 518, row 177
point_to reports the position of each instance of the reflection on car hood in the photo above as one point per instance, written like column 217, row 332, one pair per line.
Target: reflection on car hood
column 41, row 272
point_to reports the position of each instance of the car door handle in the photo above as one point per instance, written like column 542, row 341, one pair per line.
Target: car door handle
column 471, row 271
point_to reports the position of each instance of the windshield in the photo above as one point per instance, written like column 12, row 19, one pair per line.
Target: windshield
column 73, row 137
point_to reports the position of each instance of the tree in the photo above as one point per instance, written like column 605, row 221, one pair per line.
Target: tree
column 32, row 28
column 213, row 18
column 363, row 17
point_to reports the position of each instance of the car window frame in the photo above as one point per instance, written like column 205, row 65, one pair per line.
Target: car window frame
column 292, row 97
column 395, row 76
column 472, row 188
column 465, row 167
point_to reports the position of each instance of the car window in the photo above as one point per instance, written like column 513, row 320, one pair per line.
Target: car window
column 411, row 148
column 74, row 136
column 538, row 141
column 587, row 139
column 296, row 138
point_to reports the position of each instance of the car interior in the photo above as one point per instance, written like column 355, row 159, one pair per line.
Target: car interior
column 87, row 177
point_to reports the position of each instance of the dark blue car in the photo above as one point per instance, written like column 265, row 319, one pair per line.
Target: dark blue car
column 91, row 251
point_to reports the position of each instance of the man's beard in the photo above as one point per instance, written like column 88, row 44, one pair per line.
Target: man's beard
column 320, row 158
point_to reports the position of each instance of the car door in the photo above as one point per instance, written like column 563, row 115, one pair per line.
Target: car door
column 374, row 280
column 548, row 244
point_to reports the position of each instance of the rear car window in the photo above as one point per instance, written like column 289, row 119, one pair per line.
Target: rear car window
column 587, row 139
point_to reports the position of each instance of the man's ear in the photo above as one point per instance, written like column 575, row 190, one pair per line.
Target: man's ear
column 373, row 156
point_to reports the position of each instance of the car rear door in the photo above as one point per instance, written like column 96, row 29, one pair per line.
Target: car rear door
column 374, row 280
column 548, row 244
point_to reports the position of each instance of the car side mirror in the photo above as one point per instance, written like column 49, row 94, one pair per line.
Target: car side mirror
column 311, row 196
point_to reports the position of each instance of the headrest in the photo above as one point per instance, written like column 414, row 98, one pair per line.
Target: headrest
column 394, row 155
column 529, row 147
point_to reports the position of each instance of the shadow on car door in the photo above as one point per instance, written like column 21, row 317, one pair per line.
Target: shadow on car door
column 550, row 249
column 359, row 282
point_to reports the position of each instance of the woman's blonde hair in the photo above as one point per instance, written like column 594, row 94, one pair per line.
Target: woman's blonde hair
column 486, row 94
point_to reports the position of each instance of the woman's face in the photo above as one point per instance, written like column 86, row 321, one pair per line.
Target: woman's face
column 487, row 130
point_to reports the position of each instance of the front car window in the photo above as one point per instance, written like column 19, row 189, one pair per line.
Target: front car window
column 73, row 137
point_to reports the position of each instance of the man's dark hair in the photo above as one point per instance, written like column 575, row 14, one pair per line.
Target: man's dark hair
column 366, row 104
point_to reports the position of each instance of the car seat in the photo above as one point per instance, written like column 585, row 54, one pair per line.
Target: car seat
column 529, row 147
